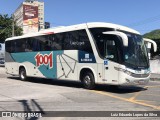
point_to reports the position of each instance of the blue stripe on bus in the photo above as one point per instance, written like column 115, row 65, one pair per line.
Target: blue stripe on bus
column 44, row 69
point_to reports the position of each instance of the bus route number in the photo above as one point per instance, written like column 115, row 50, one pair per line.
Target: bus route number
column 44, row 59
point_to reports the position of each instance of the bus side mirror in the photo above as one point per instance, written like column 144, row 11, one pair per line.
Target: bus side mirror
column 152, row 42
column 0, row 47
column 120, row 34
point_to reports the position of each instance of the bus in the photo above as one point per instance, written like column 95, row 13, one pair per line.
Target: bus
column 93, row 53
column 2, row 53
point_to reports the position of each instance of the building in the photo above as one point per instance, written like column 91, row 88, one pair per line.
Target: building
column 47, row 25
column 30, row 16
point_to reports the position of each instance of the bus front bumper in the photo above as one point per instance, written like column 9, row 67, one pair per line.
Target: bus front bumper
column 136, row 82
column 130, row 80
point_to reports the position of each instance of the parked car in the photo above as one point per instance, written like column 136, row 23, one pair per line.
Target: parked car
column 2, row 53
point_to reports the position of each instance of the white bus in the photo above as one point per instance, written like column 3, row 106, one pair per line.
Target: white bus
column 2, row 53
column 93, row 53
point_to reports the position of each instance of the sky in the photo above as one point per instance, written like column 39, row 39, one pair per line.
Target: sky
column 141, row 15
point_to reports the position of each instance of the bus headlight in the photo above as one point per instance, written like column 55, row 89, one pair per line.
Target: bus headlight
column 128, row 72
column 123, row 70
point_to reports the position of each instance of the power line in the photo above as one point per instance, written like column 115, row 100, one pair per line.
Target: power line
column 57, row 24
column 146, row 21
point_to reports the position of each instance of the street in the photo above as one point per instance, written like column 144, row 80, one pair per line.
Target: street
column 46, row 95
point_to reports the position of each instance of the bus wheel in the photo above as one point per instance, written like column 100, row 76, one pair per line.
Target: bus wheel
column 88, row 80
column 22, row 74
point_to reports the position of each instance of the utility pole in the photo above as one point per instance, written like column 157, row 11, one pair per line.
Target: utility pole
column 12, row 25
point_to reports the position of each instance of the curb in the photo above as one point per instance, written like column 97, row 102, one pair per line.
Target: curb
column 155, row 79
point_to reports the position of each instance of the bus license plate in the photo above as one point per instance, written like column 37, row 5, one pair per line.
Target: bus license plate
column 141, row 81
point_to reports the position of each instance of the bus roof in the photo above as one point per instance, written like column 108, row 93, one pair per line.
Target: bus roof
column 75, row 27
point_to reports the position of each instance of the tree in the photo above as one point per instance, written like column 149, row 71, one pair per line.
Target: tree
column 6, row 27
column 154, row 35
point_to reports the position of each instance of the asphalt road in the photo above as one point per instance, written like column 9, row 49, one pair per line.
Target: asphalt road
column 45, row 95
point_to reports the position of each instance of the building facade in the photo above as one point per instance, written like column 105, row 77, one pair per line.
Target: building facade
column 47, row 25
column 30, row 16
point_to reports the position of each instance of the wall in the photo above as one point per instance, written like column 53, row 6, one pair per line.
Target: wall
column 155, row 66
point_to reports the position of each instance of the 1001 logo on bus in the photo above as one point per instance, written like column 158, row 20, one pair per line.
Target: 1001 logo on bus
column 44, row 60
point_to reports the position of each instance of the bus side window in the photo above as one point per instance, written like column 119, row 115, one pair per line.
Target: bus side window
column 8, row 46
column 29, row 45
column 57, row 41
column 47, row 46
column 53, row 41
column 70, row 40
column 36, row 45
column 77, row 40
column 16, row 48
column 111, row 50
column 84, row 43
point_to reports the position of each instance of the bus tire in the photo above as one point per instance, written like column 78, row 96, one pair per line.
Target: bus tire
column 22, row 74
column 88, row 80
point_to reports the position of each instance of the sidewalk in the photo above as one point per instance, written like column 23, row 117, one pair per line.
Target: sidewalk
column 155, row 76
column 155, row 69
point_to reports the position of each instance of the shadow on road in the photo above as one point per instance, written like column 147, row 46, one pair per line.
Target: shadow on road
column 107, row 88
column 52, row 82
column 2, row 65
column 119, row 89
column 36, row 108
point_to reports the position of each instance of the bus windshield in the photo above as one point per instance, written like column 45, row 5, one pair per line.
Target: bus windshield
column 135, row 55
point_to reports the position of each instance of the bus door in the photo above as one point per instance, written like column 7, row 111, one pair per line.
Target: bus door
column 111, row 75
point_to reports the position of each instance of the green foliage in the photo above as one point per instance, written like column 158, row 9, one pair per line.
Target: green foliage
column 154, row 35
column 6, row 27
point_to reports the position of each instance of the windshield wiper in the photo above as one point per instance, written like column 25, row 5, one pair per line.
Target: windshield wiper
column 146, row 60
column 136, row 56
